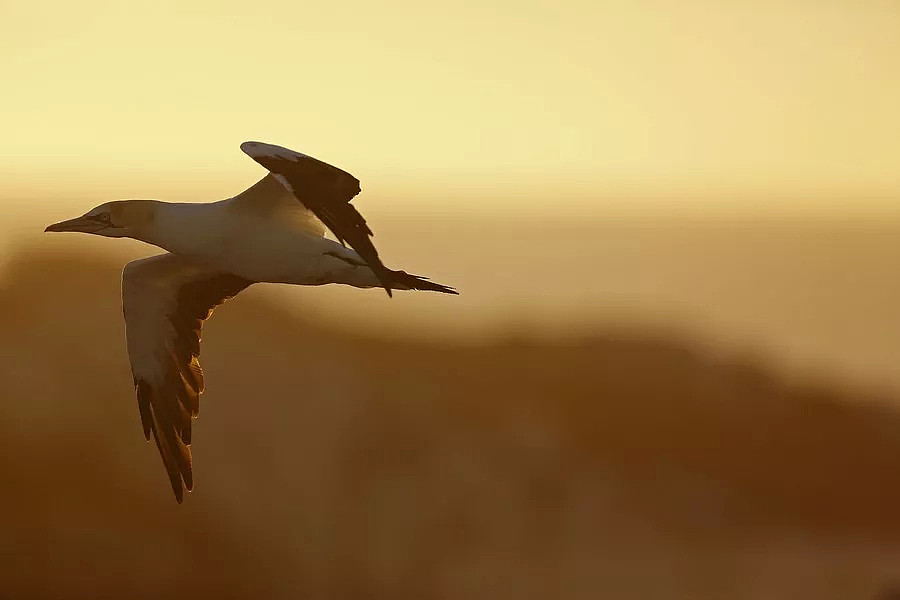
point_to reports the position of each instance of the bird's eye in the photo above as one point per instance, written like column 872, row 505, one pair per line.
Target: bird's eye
column 103, row 218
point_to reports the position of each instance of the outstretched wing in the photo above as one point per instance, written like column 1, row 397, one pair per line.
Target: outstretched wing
column 326, row 191
column 165, row 299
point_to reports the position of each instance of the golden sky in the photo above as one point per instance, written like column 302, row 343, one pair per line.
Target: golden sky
column 648, row 97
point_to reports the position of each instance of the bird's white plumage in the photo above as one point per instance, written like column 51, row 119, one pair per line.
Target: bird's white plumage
column 272, row 241
column 283, row 181
column 273, row 197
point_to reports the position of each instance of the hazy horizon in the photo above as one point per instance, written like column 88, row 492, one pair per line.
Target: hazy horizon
column 814, row 298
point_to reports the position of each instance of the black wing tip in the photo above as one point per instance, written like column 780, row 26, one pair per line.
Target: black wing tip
column 184, row 484
column 174, row 452
column 415, row 282
column 181, row 482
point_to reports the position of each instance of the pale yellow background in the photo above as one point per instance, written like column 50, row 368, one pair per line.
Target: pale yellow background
column 530, row 105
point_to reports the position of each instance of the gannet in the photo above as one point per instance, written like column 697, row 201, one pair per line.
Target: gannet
column 273, row 231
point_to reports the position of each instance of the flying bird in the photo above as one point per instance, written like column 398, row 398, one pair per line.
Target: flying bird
column 273, row 232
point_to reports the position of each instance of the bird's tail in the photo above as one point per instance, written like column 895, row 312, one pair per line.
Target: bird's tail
column 401, row 280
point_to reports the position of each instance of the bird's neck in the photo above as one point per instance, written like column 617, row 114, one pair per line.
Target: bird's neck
column 180, row 228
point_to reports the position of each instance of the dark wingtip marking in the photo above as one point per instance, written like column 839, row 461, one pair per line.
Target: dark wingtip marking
column 171, row 469
column 165, row 428
column 414, row 282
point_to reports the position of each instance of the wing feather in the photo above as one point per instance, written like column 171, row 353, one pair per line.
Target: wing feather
column 326, row 191
column 165, row 299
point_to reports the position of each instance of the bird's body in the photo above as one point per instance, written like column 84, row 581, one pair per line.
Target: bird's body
column 272, row 232
column 287, row 245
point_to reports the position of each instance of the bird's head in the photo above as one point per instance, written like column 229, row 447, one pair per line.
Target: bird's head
column 122, row 218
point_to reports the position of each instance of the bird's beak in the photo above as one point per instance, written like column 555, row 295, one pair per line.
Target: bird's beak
column 83, row 223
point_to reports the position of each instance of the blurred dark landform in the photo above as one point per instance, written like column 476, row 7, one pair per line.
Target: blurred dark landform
column 333, row 465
